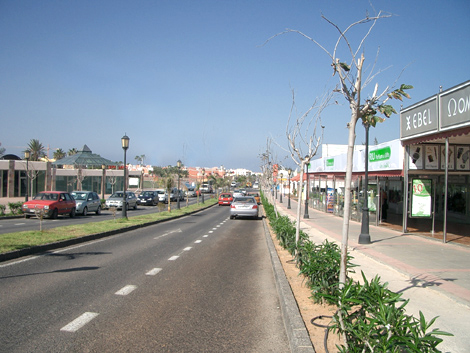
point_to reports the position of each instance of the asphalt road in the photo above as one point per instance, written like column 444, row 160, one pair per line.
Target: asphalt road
column 202, row 283
column 23, row 224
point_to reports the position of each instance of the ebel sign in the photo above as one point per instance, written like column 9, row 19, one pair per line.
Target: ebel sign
column 419, row 119
column 445, row 111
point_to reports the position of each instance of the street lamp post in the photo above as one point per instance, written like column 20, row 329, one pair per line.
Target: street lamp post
column 289, row 172
column 364, row 237
column 178, row 164
column 125, row 145
column 280, row 191
column 306, row 190
column 27, row 155
column 202, row 194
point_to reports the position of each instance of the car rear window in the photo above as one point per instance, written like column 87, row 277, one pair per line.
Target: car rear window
column 245, row 200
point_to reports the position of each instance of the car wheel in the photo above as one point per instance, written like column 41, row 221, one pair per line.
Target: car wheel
column 98, row 210
column 27, row 216
column 55, row 213
column 72, row 213
column 135, row 206
column 85, row 211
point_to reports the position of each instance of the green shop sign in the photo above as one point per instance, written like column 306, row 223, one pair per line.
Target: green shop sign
column 381, row 154
column 330, row 162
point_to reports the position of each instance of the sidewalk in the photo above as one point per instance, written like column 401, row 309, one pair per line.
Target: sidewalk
column 433, row 275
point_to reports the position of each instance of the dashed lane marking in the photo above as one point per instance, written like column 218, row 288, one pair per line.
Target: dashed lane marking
column 173, row 258
column 153, row 271
column 79, row 322
column 126, row 290
column 197, row 241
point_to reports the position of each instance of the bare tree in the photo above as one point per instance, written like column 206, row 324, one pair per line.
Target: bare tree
column 304, row 140
column 352, row 82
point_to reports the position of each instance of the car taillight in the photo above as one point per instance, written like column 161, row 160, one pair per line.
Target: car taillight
column 232, row 206
column 255, row 206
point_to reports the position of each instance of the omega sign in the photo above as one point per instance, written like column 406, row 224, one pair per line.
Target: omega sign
column 455, row 107
column 419, row 119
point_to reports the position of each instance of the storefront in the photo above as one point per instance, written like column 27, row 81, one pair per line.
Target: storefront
column 436, row 135
column 385, row 185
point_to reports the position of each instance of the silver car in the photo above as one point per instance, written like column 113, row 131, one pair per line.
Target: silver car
column 87, row 201
column 115, row 200
column 244, row 206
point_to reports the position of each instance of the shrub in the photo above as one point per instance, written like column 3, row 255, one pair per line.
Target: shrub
column 320, row 264
column 374, row 320
column 15, row 207
column 2, row 210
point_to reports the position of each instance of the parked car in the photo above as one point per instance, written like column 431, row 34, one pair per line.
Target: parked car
column 148, row 198
column 245, row 206
column 161, row 195
column 174, row 195
column 87, row 201
column 53, row 203
column 191, row 192
column 206, row 188
column 256, row 196
column 225, row 198
column 115, row 200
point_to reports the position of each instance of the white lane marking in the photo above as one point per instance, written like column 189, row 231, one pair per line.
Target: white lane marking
column 205, row 236
column 187, row 249
column 197, row 241
column 173, row 258
column 153, row 271
column 211, row 231
column 19, row 224
column 126, row 290
column 79, row 322
column 214, row 228
column 168, row 233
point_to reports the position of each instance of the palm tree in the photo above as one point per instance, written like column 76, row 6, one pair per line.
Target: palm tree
column 58, row 154
column 72, row 151
column 37, row 150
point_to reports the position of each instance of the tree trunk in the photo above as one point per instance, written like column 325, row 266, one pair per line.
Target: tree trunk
column 297, row 228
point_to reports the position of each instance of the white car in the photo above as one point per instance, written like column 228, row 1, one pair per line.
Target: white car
column 161, row 195
column 234, row 183
column 115, row 200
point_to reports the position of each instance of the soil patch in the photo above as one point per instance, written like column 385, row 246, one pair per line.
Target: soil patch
column 308, row 309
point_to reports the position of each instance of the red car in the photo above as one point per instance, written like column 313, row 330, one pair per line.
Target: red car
column 53, row 203
column 225, row 198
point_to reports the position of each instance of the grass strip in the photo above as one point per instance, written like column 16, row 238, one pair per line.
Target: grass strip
column 21, row 240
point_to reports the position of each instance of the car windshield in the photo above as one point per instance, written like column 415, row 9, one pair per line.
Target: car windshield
column 116, row 195
column 46, row 196
column 79, row 195
column 244, row 200
column 225, row 196
column 160, row 192
column 147, row 193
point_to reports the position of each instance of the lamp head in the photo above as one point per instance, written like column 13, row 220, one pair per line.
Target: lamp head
column 125, row 142
column 27, row 154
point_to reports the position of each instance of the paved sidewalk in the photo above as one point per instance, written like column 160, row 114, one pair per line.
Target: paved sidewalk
column 433, row 275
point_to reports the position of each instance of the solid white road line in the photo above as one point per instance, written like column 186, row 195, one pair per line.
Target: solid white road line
column 126, row 290
column 153, row 271
column 79, row 322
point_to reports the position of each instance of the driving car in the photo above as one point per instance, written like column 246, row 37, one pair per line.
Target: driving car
column 115, row 200
column 256, row 196
column 233, row 184
column 52, row 203
column 238, row 193
column 148, row 198
column 86, row 201
column 244, row 206
column 225, row 198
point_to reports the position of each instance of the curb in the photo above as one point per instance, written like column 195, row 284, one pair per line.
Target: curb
column 297, row 334
column 69, row 242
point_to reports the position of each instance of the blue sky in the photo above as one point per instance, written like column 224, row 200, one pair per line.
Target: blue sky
column 192, row 80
